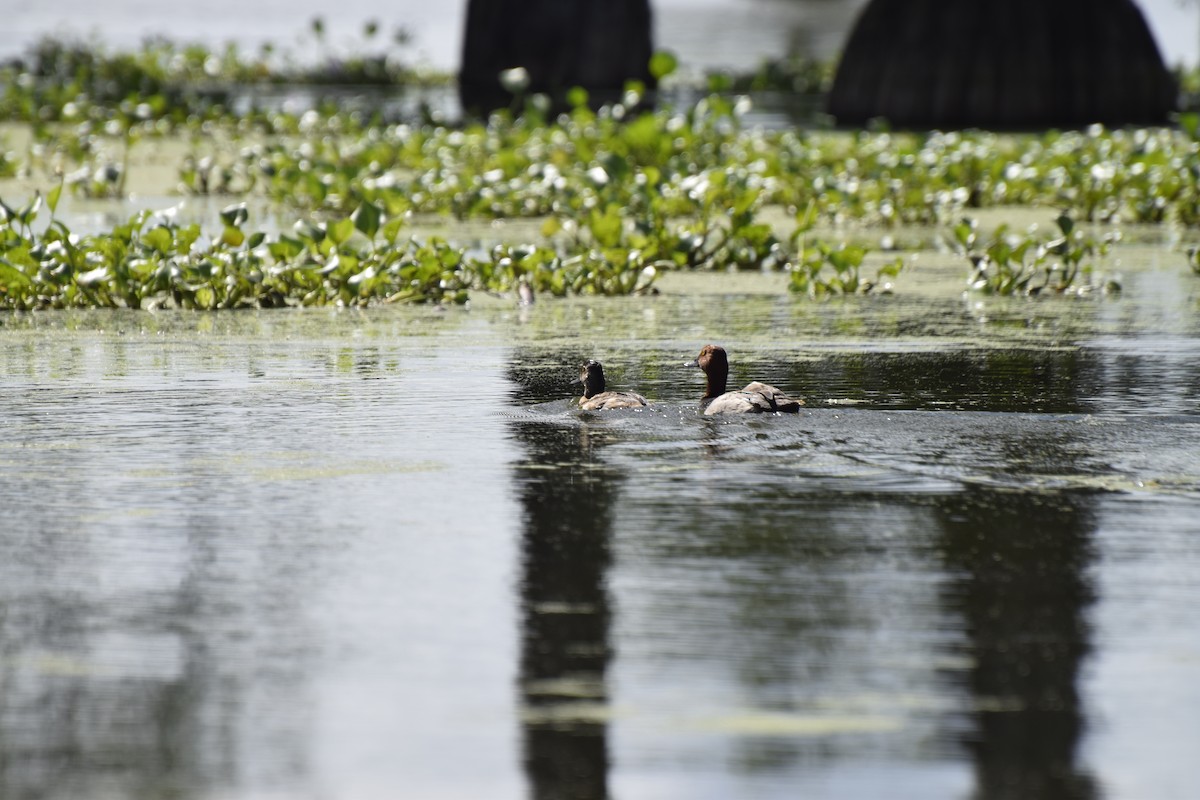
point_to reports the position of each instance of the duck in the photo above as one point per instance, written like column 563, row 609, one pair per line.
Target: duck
column 591, row 375
column 753, row 398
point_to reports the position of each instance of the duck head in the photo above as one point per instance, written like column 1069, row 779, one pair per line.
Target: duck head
column 591, row 375
column 715, row 365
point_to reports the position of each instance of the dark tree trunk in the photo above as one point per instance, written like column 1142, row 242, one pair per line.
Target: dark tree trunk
column 1002, row 64
column 599, row 45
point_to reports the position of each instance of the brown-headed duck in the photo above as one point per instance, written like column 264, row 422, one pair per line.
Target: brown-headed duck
column 753, row 398
column 591, row 375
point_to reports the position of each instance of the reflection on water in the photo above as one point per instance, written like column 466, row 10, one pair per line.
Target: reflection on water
column 568, row 498
column 381, row 554
column 222, row 560
column 1022, row 587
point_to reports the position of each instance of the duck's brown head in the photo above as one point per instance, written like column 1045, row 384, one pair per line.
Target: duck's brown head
column 591, row 375
column 715, row 364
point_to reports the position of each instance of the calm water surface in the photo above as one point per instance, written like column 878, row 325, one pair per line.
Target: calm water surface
column 355, row 555
column 378, row 555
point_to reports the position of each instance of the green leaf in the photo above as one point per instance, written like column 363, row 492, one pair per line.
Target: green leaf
column 285, row 249
column 1065, row 223
column 806, row 219
column 233, row 216
column 159, row 238
column 719, row 82
column 30, row 211
column 308, row 231
column 391, row 229
column 185, row 237
column 233, row 237
column 53, row 196
column 11, row 276
column 964, row 232
column 662, row 64
column 367, row 218
column 606, row 227
column 338, row 232
column 577, row 97
column 1190, row 123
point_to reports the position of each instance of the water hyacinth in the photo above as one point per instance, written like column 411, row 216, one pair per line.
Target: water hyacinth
column 58, row 79
column 152, row 262
column 331, row 160
column 682, row 160
column 618, row 192
column 824, row 270
column 1011, row 264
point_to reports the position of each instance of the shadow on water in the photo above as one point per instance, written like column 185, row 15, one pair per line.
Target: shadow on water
column 1020, row 563
column 568, row 496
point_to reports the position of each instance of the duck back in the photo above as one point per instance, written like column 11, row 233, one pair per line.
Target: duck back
column 737, row 403
column 777, row 399
column 607, row 400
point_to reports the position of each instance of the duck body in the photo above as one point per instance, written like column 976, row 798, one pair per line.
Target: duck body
column 753, row 398
column 595, row 398
column 607, row 400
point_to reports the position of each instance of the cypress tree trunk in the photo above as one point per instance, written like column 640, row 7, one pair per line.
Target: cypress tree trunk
column 595, row 44
column 1002, row 64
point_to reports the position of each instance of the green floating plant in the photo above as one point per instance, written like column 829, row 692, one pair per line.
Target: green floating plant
column 702, row 154
column 822, row 269
column 819, row 269
column 361, row 259
column 333, row 157
column 62, row 79
column 1011, row 264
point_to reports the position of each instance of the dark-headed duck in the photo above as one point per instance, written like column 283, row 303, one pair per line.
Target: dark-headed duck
column 753, row 398
column 591, row 375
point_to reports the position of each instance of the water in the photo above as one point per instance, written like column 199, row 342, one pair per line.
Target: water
column 377, row 554
column 267, row 600
column 704, row 33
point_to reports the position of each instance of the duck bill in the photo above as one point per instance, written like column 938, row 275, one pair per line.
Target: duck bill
column 693, row 363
